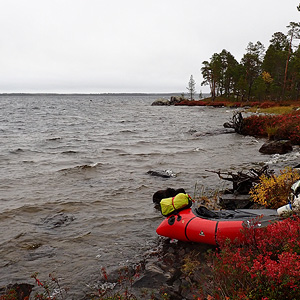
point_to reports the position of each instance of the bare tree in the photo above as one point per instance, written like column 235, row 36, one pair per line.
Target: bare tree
column 191, row 88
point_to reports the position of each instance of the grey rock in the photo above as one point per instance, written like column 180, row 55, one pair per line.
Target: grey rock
column 162, row 173
column 161, row 102
column 166, row 102
column 276, row 147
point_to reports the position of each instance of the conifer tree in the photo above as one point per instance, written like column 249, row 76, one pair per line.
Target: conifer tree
column 191, row 88
column 294, row 32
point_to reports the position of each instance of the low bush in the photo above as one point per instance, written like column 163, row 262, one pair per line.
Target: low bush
column 266, row 265
column 274, row 191
column 288, row 126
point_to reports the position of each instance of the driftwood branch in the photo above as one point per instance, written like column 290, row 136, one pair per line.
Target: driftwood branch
column 236, row 122
column 243, row 182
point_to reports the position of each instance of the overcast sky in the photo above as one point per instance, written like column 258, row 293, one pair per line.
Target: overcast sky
column 98, row 46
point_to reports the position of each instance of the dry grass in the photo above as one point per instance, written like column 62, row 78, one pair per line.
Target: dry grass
column 277, row 110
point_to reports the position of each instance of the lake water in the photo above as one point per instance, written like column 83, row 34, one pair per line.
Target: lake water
column 74, row 190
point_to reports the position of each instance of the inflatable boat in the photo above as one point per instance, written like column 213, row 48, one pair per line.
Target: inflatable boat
column 210, row 227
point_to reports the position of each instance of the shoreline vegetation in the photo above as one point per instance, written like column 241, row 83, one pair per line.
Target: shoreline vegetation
column 265, row 265
column 275, row 120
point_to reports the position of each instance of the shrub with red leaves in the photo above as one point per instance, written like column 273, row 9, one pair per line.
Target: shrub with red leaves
column 267, row 104
column 266, row 265
column 288, row 126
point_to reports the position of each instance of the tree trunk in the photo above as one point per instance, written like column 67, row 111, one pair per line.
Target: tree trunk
column 286, row 65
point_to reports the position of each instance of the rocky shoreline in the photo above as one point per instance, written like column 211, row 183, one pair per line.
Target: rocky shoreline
column 169, row 271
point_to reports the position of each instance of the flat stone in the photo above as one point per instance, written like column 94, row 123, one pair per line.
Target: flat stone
column 232, row 201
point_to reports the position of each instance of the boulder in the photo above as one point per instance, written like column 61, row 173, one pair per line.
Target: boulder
column 58, row 220
column 276, row 147
column 162, row 173
column 162, row 101
column 175, row 100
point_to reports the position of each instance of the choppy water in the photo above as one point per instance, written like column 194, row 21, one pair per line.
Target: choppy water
column 74, row 190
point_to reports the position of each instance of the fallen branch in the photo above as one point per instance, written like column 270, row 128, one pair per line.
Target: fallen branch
column 243, row 182
column 236, row 122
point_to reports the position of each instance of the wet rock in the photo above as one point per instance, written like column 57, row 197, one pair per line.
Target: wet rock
column 167, row 193
column 162, row 173
column 181, row 252
column 166, row 102
column 58, row 220
column 174, row 100
column 21, row 291
column 276, row 147
column 163, row 271
column 161, row 102
column 171, row 250
column 153, row 277
column 174, row 280
column 32, row 246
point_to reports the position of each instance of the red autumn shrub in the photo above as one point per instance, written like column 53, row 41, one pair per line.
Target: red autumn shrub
column 267, row 104
column 287, row 126
column 235, row 104
column 256, row 125
column 192, row 103
column 253, row 103
column 266, row 265
column 217, row 104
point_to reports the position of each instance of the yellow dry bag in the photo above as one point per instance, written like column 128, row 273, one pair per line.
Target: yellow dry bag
column 175, row 204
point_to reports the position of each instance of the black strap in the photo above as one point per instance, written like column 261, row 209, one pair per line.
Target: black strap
column 185, row 230
column 216, row 231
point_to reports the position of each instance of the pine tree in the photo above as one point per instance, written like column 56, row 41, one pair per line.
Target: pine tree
column 191, row 88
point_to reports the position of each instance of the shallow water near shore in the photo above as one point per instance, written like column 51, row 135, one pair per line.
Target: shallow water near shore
column 74, row 190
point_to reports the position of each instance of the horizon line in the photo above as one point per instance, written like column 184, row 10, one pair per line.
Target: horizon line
column 120, row 93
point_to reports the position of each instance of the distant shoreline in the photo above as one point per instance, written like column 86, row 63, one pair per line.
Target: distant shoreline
column 89, row 94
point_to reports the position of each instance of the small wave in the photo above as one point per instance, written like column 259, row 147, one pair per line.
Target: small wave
column 199, row 150
column 21, row 151
column 277, row 158
column 81, row 168
column 12, row 211
column 158, row 153
column 127, row 131
column 69, row 152
column 213, row 132
column 142, row 142
column 54, row 139
column 192, row 131
column 82, row 235
column 28, row 162
column 118, row 151
column 17, row 151
column 41, row 251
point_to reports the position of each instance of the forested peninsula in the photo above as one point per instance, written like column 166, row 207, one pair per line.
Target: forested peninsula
column 262, row 74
